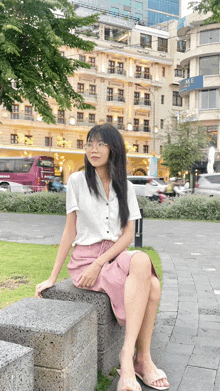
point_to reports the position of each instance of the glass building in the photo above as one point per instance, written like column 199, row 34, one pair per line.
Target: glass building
column 148, row 12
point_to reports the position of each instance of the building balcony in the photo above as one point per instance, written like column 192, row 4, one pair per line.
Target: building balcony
column 22, row 116
column 120, row 126
column 142, row 104
column 115, row 99
column 88, row 95
column 61, row 120
column 116, row 71
column 144, row 128
column 142, row 75
column 85, row 123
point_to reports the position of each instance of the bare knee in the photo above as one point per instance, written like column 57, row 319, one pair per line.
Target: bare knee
column 155, row 290
column 141, row 264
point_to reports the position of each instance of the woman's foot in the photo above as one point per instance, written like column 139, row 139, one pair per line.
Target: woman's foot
column 146, row 368
column 127, row 380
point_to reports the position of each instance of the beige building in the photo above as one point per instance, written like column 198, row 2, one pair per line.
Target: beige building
column 133, row 83
column 200, row 66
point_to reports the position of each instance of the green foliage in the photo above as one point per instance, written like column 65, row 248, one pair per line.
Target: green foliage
column 205, row 6
column 185, row 145
column 43, row 203
column 191, row 207
column 30, row 38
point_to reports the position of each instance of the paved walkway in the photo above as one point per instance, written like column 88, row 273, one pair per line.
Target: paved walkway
column 186, row 339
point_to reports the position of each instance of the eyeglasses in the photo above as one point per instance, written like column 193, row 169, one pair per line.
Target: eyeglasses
column 99, row 146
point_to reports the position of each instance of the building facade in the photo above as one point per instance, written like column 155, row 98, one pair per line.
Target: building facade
column 133, row 84
column 200, row 86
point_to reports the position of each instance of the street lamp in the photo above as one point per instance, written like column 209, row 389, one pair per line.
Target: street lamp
column 139, row 85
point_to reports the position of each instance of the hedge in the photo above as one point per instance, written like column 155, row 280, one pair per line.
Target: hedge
column 192, row 207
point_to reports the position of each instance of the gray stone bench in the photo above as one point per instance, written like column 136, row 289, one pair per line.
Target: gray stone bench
column 63, row 336
column 110, row 334
column 16, row 367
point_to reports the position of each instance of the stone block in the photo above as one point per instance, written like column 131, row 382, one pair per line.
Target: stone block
column 63, row 336
column 16, row 367
column 110, row 335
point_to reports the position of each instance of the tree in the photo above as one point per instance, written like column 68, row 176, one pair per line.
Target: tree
column 206, row 6
column 31, row 34
column 186, row 143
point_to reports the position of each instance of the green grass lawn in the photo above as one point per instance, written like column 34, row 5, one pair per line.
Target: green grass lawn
column 25, row 265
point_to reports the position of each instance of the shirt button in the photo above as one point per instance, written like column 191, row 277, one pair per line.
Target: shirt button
column 106, row 217
column 107, row 232
column 107, row 204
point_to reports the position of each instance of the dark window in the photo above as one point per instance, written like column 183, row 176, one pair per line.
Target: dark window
column 136, row 98
column 181, row 46
column 79, row 117
column 82, row 58
column 92, row 89
column 162, row 99
column 109, row 119
column 147, row 99
column 111, row 66
column 162, row 44
column 161, row 124
column 109, row 94
column 61, row 117
column 92, row 61
column 146, row 73
column 136, row 124
column 177, row 100
column 209, row 65
column 146, row 125
column 15, row 112
column 48, row 141
column 138, row 71
column 163, row 71
column 92, row 118
column 107, row 33
column 28, row 113
column 145, row 148
column 146, row 40
column 14, row 138
column 121, row 95
column 79, row 144
column 136, row 147
column 28, row 109
column 80, row 87
column 120, row 120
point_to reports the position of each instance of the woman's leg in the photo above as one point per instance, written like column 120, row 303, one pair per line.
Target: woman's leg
column 143, row 362
column 137, row 290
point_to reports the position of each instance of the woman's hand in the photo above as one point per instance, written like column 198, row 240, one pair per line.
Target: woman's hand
column 90, row 275
column 43, row 285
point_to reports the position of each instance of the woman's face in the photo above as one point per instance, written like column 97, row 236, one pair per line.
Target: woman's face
column 97, row 152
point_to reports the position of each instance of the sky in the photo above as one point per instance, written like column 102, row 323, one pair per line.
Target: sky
column 185, row 11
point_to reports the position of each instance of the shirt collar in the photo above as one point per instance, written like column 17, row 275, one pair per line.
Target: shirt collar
column 101, row 190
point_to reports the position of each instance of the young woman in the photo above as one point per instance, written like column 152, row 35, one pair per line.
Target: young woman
column 101, row 209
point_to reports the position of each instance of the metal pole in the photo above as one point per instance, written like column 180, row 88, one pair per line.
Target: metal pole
column 153, row 122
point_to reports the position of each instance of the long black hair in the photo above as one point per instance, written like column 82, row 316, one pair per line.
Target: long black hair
column 117, row 166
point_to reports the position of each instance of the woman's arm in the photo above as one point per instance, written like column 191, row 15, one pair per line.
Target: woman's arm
column 68, row 238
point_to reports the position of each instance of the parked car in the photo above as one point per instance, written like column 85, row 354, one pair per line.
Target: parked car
column 208, row 184
column 147, row 186
column 14, row 187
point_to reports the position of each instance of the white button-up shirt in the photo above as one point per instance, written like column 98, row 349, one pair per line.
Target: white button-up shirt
column 97, row 217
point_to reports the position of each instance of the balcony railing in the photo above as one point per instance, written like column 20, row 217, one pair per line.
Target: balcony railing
column 88, row 94
column 61, row 120
column 142, row 75
column 178, row 73
column 144, row 128
column 116, row 98
column 85, row 123
column 142, row 102
column 120, row 126
column 26, row 117
column 117, row 71
column 136, row 128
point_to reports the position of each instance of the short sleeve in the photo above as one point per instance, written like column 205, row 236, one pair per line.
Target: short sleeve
column 72, row 193
column 132, row 203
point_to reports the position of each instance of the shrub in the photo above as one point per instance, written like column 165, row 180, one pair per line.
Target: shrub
column 43, row 203
column 191, row 207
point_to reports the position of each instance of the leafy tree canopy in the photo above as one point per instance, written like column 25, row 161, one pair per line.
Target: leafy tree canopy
column 206, row 6
column 30, row 37
column 186, row 143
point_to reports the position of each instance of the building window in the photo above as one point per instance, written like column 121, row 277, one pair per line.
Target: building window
column 138, row 5
column 92, row 89
column 209, row 65
column 107, row 33
column 136, row 146
column 208, row 99
column 136, row 98
column 111, row 66
column 121, row 96
column 161, row 149
column 48, row 141
column 28, row 113
column 82, row 58
column 147, row 99
column 162, row 45
column 146, row 73
column 120, row 68
column 120, row 123
column 79, row 144
column 162, row 99
column 109, row 119
column 179, row 72
column 146, row 40
column 161, row 124
column 181, row 46
column 209, row 36
column 28, row 110
column 14, row 138
column 92, row 61
column 146, row 125
column 163, row 71
column 61, row 117
column 79, row 117
column 80, row 87
column 15, row 112
column 136, row 125
column 109, row 94
column 92, row 118
column 145, row 148
column 115, row 10
column 177, row 100
column 62, row 54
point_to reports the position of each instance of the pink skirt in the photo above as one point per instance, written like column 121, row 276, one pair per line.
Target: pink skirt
column 112, row 277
